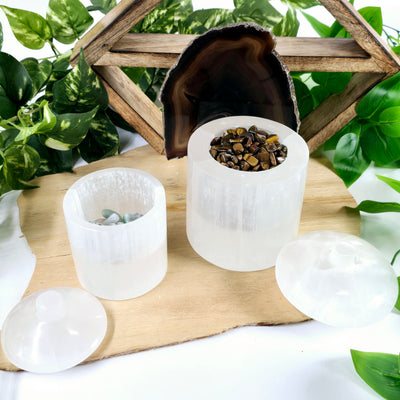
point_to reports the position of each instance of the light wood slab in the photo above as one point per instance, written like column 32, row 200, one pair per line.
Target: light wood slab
column 196, row 299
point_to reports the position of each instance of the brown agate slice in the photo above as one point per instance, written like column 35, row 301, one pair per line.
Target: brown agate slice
column 233, row 70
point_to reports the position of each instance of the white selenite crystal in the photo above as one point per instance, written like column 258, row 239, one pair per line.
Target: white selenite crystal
column 53, row 329
column 123, row 261
column 337, row 278
column 239, row 220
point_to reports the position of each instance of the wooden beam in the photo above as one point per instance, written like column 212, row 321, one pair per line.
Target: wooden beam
column 138, row 121
column 363, row 34
column 328, row 64
column 335, row 125
column 111, row 28
column 336, row 111
column 165, row 43
column 299, row 54
column 132, row 95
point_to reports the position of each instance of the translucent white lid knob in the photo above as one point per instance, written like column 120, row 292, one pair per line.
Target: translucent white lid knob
column 53, row 329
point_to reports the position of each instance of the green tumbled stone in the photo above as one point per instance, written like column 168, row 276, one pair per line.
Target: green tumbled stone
column 106, row 213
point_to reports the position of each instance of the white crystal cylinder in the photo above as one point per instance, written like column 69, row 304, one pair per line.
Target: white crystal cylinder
column 239, row 220
column 120, row 261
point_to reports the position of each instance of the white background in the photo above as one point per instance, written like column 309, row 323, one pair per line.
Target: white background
column 307, row 361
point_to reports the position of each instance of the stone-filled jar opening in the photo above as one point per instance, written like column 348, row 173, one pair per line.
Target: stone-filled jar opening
column 249, row 150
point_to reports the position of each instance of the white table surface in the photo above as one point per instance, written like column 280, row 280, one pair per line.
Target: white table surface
column 306, row 361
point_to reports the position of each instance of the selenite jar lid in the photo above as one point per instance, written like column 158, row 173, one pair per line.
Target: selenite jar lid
column 337, row 278
column 53, row 330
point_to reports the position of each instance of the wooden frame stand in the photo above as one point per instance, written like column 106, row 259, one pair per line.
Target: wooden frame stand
column 109, row 45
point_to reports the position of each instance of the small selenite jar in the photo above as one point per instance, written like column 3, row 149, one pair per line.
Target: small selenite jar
column 121, row 261
column 239, row 220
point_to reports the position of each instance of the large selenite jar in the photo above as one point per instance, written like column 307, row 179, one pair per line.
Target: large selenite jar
column 239, row 220
column 122, row 261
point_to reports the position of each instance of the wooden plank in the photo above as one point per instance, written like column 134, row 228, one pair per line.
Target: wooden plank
column 363, row 34
column 111, row 28
column 134, row 119
column 132, row 95
column 330, row 64
column 336, row 111
column 337, row 123
column 195, row 299
column 155, row 60
column 299, row 54
column 165, row 43
column 327, row 64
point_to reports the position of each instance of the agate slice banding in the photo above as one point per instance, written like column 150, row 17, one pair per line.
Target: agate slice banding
column 232, row 70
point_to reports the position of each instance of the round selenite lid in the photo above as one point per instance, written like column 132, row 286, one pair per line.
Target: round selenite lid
column 53, row 330
column 337, row 278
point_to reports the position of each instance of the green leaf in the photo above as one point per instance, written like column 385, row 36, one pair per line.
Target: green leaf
column 373, row 15
column 396, row 49
column 374, row 207
column 20, row 163
column 167, row 17
column 259, row 11
column 319, row 94
column 39, row 73
column 51, row 161
column 154, row 89
column 389, row 121
column 30, row 29
column 304, row 97
column 288, row 25
column 333, row 82
column 4, row 187
column 80, row 91
column 1, row 35
column 15, row 85
column 54, row 78
column 103, row 6
column 61, row 64
column 397, row 305
column 47, row 122
column 70, row 130
column 202, row 20
column 349, row 160
column 302, row 4
column 101, row 141
column 68, row 19
column 322, row 29
column 353, row 126
column 7, row 137
column 380, row 371
column 384, row 95
column 392, row 262
column 118, row 121
column 25, row 132
column 378, row 147
column 393, row 183
column 7, row 107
